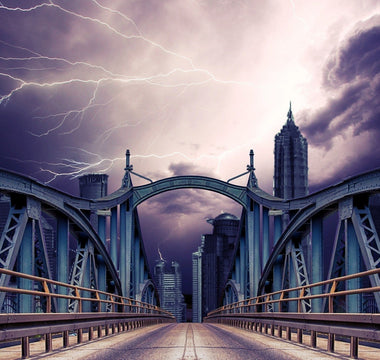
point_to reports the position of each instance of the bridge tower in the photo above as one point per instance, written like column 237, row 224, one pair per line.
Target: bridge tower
column 132, row 264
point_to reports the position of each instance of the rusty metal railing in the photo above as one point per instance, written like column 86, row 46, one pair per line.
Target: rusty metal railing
column 262, row 302
column 121, row 314
column 118, row 303
column 253, row 314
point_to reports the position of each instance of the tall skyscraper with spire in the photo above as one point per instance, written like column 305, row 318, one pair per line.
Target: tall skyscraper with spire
column 290, row 161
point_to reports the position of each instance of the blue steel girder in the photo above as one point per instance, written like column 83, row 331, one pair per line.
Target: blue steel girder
column 305, row 208
column 369, row 243
column 148, row 293
column 363, row 184
column 66, row 205
column 235, row 192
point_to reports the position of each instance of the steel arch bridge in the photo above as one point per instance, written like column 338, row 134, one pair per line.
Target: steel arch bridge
column 281, row 244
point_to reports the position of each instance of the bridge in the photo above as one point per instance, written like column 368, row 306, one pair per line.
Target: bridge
column 307, row 266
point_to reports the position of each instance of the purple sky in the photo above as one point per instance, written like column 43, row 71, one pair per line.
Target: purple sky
column 189, row 87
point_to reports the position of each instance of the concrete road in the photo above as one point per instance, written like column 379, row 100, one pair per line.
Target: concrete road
column 191, row 341
column 186, row 341
column 202, row 341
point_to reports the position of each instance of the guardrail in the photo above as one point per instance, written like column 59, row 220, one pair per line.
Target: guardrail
column 253, row 314
column 122, row 314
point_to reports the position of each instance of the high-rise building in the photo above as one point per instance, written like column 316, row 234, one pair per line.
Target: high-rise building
column 216, row 257
column 93, row 186
column 197, row 285
column 169, row 286
column 290, row 161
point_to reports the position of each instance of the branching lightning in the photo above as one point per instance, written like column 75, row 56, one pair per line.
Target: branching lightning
column 93, row 77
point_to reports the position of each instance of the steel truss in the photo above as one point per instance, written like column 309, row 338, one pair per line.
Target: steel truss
column 84, row 270
column 12, row 240
column 294, row 265
column 366, row 237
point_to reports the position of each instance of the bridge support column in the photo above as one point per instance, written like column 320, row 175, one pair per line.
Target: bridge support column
column 26, row 266
column 126, row 238
column 252, row 233
column 102, row 274
column 292, row 276
column 266, row 244
column 353, row 302
column 277, row 280
column 62, row 259
column 136, row 267
column 113, row 235
column 256, row 249
column 249, row 224
column 277, row 228
column 241, row 267
column 277, row 268
column 317, row 260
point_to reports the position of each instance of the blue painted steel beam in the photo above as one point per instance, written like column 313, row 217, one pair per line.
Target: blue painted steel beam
column 249, row 235
column 256, row 249
column 26, row 266
column 123, row 249
column 265, row 231
column 352, row 263
column 241, row 266
column 113, row 229
column 316, row 260
column 62, row 259
column 102, row 271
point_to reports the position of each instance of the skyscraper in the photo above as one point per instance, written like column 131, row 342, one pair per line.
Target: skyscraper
column 290, row 161
column 169, row 285
column 197, row 285
column 216, row 256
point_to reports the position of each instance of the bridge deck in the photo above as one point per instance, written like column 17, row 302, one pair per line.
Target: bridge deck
column 190, row 342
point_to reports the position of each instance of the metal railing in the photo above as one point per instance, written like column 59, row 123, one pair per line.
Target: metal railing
column 264, row 313
column 120, row 313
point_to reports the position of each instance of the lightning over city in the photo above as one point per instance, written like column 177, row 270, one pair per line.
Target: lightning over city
column 189, row 88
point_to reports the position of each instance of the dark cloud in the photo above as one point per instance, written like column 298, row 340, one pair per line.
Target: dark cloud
column 352, row 76
column 359, row 56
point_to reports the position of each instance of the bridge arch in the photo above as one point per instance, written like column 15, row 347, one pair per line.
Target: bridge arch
column 234, row 192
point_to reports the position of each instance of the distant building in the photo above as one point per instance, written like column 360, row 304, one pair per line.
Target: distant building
column 197, row 285
column 93, row 186
column 169, row 286
column 290, row 161
column 214, row 258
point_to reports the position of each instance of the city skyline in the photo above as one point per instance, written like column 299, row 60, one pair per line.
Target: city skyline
column 189, row 88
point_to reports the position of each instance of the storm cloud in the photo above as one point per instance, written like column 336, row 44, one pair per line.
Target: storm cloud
column 348, row 125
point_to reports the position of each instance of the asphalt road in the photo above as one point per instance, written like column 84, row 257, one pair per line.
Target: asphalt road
column 192, row 342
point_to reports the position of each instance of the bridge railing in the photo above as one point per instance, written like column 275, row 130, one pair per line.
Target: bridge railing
column 117, row 314
column 260, row 314
column 113, row 302
column 264, row 303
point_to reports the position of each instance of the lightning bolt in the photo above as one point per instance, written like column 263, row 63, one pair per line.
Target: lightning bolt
column 159, row 253
column 303, row 21
column 106, row 76
column 94, row 78
column 75, row 168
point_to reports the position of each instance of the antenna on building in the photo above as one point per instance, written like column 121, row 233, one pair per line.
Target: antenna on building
column 290, row 113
